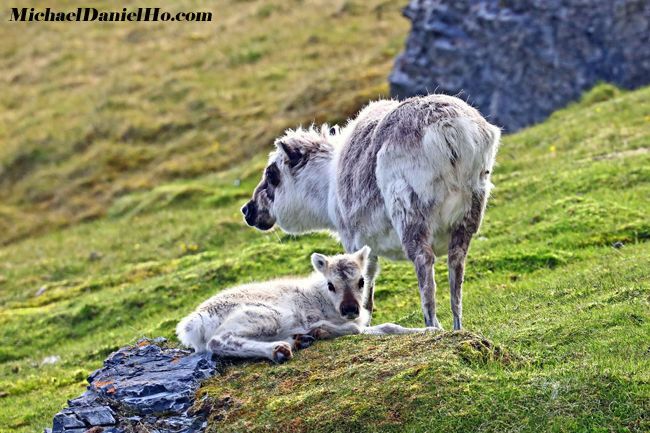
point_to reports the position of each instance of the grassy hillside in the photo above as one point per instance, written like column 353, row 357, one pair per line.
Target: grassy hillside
column 92, row 111
column 174, row 123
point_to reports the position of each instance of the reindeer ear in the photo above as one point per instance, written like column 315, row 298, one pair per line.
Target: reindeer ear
column 293, row 155
column 362, row 255
column 326, row 131
column 319, row 262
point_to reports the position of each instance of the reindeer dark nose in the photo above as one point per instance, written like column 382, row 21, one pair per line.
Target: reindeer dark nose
column 246, row 209
column 350, row 311
column 249, row 210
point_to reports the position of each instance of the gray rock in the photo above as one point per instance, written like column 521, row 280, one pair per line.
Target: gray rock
column 65, row 421
column 96, row 415
column 519, row 60
column 147, row 385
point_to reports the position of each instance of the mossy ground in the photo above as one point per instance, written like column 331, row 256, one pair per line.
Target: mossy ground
column 557, row 319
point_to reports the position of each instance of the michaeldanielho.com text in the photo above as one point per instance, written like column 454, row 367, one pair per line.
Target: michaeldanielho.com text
column 93, row 14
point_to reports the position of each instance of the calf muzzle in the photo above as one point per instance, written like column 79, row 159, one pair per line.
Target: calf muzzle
column 350, row 310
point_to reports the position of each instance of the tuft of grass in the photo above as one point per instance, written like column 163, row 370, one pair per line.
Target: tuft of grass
column 600, row 93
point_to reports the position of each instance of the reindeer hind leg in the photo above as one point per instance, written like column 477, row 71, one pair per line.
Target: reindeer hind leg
column 458, row 248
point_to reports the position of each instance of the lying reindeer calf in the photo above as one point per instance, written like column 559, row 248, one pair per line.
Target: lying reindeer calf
column 270, row 319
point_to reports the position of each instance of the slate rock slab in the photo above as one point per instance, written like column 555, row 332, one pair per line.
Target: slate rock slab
column 517, row 61
column 146, row 387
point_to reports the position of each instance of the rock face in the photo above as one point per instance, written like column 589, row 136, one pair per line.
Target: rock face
column 519, row 60
column 141, row 388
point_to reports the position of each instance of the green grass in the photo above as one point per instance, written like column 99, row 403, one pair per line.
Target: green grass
column 93, row 111
column 127, row 233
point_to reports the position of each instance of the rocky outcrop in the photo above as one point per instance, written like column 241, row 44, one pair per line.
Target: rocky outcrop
column 519, row 60
column 143, row 388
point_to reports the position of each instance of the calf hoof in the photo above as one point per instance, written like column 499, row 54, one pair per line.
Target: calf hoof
column 303, row 341
column 213, row 345
column 319, row 334
column 282, row 353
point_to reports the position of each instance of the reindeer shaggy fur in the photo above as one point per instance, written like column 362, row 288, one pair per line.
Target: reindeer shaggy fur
column 406, row 178
column 268, row 320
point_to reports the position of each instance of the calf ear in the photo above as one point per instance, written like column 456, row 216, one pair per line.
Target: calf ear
column 294, row 156
column 362, row 255
column 319, row 262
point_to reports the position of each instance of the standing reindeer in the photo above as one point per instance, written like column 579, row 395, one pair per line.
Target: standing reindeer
column 269, row 319
column 409, row 177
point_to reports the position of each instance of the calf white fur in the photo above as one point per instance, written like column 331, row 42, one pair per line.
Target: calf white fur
column 271, row 319
column 407, row 178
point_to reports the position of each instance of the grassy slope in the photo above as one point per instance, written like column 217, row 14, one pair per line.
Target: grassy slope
column 92, row 111
column 559, row 319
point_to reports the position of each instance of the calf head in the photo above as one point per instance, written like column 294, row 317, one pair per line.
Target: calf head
column 345, row 280
column 294, row 186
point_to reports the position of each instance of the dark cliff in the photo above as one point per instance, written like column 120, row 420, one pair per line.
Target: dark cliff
column 519, row 60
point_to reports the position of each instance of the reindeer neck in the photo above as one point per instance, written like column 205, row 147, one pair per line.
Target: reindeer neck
column 322, row 203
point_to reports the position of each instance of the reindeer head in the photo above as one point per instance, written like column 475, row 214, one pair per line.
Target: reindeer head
column 294, row 186
column 346, row 284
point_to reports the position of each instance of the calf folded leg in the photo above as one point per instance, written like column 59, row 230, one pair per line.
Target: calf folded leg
column 323, row 329
column 228, row 344
column 252, row 332
column 394, row 329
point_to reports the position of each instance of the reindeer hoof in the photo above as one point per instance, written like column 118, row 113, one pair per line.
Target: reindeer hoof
column 303, row 341
column 282, row 353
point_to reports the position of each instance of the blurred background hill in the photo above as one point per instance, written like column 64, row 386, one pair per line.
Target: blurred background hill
column 94, row 111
